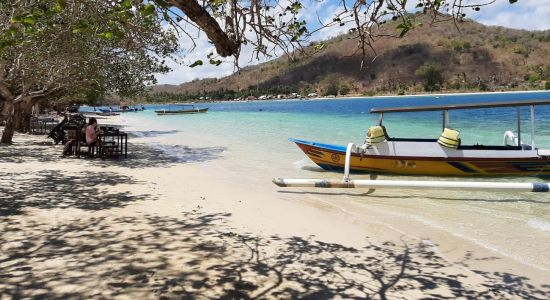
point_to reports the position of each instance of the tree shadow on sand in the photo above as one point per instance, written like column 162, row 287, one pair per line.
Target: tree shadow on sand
column 140, row 156
column 49, row 189
column 156, row 155
column 25, row 151
column 197, row 256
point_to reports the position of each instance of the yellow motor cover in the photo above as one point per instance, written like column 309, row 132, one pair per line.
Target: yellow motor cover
column 449, row 138
column 375, row 135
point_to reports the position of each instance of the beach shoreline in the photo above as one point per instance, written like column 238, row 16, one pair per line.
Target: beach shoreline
column 124, row 224
column 446, row 94
column 362, row 97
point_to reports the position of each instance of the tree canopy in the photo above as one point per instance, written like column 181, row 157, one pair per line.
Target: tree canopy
column 57, row 48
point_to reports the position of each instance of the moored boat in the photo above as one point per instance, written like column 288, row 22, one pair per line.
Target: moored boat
column 445, row 156
column 120, row 110
column 185, row 109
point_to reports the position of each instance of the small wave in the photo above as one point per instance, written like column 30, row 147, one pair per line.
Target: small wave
column 189, row 154
column 312, row 168
column 152, row 133
column 301, row 163
column 539, row 224
column 137, row 134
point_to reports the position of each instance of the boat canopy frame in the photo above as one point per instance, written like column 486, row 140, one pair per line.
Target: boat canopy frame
column 181, row 105
column 445, row 112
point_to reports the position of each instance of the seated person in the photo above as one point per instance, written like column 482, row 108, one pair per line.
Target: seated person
column 92, row 132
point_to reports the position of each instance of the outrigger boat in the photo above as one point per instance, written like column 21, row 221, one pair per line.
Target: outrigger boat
column 383, row 154
column 122, row 109
column 186, row 109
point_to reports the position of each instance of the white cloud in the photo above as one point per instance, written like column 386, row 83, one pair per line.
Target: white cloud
column 183, row 73
column 525, row 14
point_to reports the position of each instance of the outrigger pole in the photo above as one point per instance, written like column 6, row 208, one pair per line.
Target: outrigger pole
column 346, row 182
column 416, row 185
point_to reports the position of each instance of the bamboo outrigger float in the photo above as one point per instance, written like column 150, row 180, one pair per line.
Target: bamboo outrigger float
column 536, row 187
column 384, row 155
column 409, row 156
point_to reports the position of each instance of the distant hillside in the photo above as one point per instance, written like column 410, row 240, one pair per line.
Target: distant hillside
column 477, row 57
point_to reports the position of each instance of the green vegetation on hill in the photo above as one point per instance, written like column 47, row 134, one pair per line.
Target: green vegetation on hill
column 438, row 57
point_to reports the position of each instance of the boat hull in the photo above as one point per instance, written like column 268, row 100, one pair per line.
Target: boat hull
column 332, row 158
column 102, row 110
column 181, row 112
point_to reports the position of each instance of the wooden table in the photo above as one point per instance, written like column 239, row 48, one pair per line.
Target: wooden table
column 42, row 125
column 113, row 143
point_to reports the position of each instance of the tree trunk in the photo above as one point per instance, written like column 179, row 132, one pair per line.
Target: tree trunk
column 7, row 134
column 7, row 112
column 2, row 114
column 22, row 115
column 35, row 110
column 18, row 117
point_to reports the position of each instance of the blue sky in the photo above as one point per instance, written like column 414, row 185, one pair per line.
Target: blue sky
column 525, row 14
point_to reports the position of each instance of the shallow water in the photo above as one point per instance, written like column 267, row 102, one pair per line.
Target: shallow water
column 253, row 138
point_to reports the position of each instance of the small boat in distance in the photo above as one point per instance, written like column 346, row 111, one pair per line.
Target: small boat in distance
column 121, row 109
column 445, row 156
column 183, row 109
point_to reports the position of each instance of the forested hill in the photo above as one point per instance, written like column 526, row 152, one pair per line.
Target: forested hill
column 430, row 57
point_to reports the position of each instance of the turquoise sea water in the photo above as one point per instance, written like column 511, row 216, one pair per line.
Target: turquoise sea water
column 255, row 134
column 252, row 141
column 346, row 120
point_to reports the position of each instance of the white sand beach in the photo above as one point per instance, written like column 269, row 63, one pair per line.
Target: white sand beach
column 159, row 226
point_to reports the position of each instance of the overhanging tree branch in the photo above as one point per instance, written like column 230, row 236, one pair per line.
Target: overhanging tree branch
column 225, row 46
